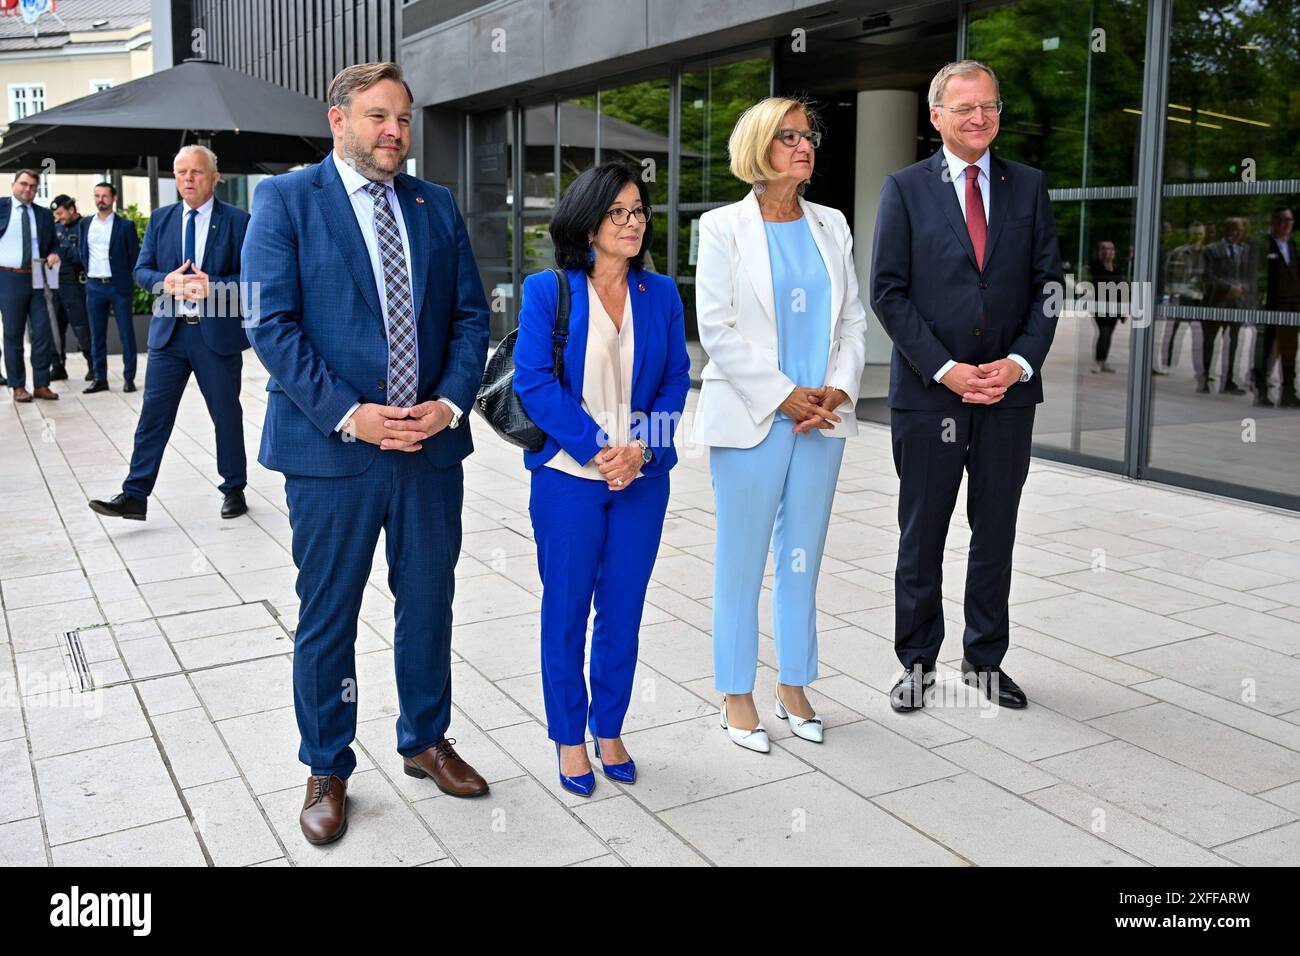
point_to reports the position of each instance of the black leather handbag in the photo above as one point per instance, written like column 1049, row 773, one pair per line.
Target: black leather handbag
column 496, row 399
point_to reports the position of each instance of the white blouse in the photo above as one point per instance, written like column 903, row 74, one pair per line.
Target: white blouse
column 606, row 381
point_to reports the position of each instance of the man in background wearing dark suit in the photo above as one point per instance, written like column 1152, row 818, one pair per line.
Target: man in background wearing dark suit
column 70, row 302
column 111, row 246
column 190, row 261
column 963, row 269
column 26, row 240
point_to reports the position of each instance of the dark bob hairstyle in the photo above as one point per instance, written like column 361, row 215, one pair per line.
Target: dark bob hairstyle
column 583, row 206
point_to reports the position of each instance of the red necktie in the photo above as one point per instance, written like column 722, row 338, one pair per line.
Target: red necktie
column 976, row 224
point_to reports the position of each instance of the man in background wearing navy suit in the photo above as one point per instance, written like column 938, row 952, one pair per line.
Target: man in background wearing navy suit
column 190, row 261
column 962, row 278
column 374, row 327
column 26, row 239
column 111, row 246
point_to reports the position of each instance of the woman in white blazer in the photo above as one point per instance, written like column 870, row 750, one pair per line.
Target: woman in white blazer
column 776, row 299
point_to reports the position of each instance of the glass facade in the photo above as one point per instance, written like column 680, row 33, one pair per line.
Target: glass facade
column 1168, row 133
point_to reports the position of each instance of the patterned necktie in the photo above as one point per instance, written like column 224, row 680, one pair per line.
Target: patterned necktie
column 26, row 262
column 403, row 376
column 976, row 225
column 191, row 216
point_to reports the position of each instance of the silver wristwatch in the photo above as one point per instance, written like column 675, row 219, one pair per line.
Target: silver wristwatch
column 647, row 455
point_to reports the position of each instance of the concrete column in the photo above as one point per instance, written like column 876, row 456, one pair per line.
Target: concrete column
column 886, row 143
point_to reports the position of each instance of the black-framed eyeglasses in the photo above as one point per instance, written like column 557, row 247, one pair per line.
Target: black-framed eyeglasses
column 620, row 216
column 992, row 108
column 787, row 136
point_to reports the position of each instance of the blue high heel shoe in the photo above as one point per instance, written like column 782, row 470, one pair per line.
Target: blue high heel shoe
column 622, row 772
column 581, row 785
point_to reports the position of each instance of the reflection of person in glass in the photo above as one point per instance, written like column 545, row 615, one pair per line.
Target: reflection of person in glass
column 1184, row 284
column 1231, row 273
column 1108, row 309
column 1274, row 343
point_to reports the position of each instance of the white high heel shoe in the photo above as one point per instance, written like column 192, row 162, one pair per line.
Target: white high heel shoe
column 809, row 728
column 755, row 740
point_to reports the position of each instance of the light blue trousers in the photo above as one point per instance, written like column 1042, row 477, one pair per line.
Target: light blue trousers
column 776, row 494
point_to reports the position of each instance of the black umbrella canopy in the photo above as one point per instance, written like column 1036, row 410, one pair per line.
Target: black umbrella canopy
column 253, row 126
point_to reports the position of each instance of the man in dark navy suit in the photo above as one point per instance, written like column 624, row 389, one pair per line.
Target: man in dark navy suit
column 26, row 241
column 110, row 246
column 966, row 279
column 373, row 324
column 190, row 261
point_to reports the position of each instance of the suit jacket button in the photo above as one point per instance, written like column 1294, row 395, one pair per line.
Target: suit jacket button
column 984, row 285
column 979, row 331
column 381, row 386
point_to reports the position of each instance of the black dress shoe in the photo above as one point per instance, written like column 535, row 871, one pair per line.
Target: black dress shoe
column 121, row 506
column 993, row 681
column 1289, row 401
column 128, row 386
column 58, row 373
column 908, row 692
column 1232, row 388
column 234, row 505
column 90, row 376
column 98, row 385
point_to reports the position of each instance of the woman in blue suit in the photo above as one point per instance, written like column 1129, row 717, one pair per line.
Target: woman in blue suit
column 600, row 483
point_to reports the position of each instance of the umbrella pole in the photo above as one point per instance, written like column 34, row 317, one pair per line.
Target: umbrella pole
column 152, row 165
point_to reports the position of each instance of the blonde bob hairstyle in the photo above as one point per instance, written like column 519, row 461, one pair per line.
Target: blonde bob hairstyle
column 750, row 144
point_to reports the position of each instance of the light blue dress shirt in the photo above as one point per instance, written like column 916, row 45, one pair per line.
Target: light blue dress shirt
column 801, row 292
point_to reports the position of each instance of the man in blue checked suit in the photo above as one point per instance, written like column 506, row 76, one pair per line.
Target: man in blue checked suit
column 367, row 309
column 190, row 261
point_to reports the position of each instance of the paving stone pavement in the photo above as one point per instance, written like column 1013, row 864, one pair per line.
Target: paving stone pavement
column 1156, row 631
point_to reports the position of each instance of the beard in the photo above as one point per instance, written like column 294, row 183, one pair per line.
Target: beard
column 362, row 159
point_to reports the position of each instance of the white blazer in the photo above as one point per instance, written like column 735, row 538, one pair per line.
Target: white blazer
column 742, row 385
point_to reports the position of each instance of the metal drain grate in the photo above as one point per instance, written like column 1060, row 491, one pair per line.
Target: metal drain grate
column 74, row 655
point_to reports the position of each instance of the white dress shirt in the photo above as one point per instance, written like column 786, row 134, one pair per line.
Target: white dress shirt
column 957, row 172
column 202, row 226
column 98, row 238
column 11, row 243
column 1284, row 247
column 606, row 382
column 363, row 207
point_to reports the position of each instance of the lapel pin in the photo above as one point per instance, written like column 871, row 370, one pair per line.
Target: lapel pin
column 419, row 200
column 640, row 286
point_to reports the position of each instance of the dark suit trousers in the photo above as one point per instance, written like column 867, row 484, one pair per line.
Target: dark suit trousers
column 19, row 302
column 931, row 451
column 71, row 302
column 336, row 524
column 100, row 297
column 164, row 384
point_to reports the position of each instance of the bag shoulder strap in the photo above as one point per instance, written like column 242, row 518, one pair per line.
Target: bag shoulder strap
column 560, row 335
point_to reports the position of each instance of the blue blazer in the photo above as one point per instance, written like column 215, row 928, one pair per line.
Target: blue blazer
column 314, row 318
column 936, row 303
column 161, row 253
column 661, row 368
column 123, row 250
column 45, row 238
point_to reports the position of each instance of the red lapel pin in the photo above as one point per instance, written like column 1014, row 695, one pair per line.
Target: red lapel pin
column 419, row 200
column 640, row 286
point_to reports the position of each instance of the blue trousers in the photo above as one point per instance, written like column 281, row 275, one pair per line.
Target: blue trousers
column 100, row 297
column 336, row 524
column 164, row 385
column 592, row 544
column 776, row 494
column 19, row 305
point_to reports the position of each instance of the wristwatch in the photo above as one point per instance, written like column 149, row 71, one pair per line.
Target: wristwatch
column 647, row 455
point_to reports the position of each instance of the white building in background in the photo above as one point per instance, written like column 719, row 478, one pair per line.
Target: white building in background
column 76, row 48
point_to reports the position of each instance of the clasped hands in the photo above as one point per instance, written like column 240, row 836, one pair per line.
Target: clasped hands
column 190, row 286
column 398, row 429
column 983, row 384
column 811, row 408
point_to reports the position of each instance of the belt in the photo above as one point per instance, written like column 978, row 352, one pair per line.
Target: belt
column 103, row 279
column 190, row 319
column 12, row 269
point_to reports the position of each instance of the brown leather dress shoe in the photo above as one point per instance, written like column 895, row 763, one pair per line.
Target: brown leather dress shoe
column 441, row 764
column 22, row 395
column 47, row 393
column 324, row 816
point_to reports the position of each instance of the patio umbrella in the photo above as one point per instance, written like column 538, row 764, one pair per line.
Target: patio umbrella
column 253, row 126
